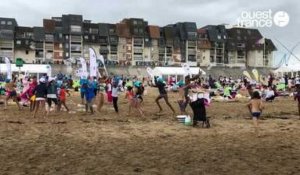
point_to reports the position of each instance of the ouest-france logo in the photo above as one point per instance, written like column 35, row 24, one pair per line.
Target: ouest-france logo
column 265, row 18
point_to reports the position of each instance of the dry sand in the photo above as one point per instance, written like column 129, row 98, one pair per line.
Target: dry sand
column 109, row 144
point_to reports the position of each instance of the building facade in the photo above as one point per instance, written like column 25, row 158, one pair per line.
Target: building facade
column 132, row 42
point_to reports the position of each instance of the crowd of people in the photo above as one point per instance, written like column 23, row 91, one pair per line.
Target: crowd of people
column 51, row 93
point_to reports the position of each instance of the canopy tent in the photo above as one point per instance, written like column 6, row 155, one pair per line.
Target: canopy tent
column 178, row 72
column 159, row 71
column 293, row 69
column 28, row 68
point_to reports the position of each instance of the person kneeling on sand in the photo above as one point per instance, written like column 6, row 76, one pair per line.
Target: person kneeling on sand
column 255, row 106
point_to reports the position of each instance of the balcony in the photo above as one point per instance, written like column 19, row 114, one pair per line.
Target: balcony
column 137, row 50
column 114, row 57
column 192, row 44
column 103, row 50
column 48, row 46
column 49, row 38
column 138, row 57
column 76, row 47
column 75, row 39
column 138, row 42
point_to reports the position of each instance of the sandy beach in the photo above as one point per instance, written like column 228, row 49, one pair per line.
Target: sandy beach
column 106, row 143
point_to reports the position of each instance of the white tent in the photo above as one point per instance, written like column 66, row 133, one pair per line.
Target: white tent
column 293, row 69
column 28, row 68
column 175, row 71
column 178, row 72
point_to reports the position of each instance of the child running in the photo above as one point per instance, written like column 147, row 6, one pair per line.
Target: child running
column 114, row 94
column 255, row 106
column 40, row 95
column 129, row 96
column 62, row 98
column 138, row 97
column 162, row 94
column 89, row 97
column 11, row 93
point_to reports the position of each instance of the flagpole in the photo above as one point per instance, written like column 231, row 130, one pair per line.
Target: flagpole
column 264, row 51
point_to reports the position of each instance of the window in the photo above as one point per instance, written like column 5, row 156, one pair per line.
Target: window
column 9, row 23
column 67, row 37
column 2, row 22
column 93, row 37
column 238, row 32
column 86, row 37
column 60, row 35
column 67, row 54
column 27, row 52
column 18, row 42
column 75, row 28
column 140, row 30
column 219, row 36
column 135, row 31
column 60, row 54
column 26, row 42
column 93, row 31
column 134, row 22
column 66, row 45
column 60, row 46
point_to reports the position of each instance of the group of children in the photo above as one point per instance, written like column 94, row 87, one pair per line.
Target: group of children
column 49, row 90
column 36, row 93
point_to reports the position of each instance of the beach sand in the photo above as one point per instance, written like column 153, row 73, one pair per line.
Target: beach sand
column 106, row 143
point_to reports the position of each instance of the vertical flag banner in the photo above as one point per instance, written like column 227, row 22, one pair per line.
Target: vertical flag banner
column 246, row 73
column 93, row 63
column 8, row 67
column 84, row 72
column 256, row 76
column 186, row 69
column 102, row 60
column 150, row 72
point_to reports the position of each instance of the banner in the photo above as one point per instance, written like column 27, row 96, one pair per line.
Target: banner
column 256, row 76
column 186, row 69
column 93, row 63
column 150, row 72
column 102, row 60
column 8, row 67
column 83, row 73
column 246, row 73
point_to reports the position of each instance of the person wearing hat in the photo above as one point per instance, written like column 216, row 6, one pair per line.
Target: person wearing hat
column 160, row 84
column 138, row 96
column 40, row 95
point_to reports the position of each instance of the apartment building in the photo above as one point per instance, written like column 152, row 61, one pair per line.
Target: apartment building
column 154, row 34
column 247, row 47
column 203, row 48
column 7, row 28
column 217, row 36
column 133, row 42
column 24, row 44
column 90, row 38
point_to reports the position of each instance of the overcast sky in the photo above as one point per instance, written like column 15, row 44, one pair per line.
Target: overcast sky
column 161, row 12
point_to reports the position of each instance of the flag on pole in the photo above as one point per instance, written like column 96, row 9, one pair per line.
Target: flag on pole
column 93, row 63
column 8, row 67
